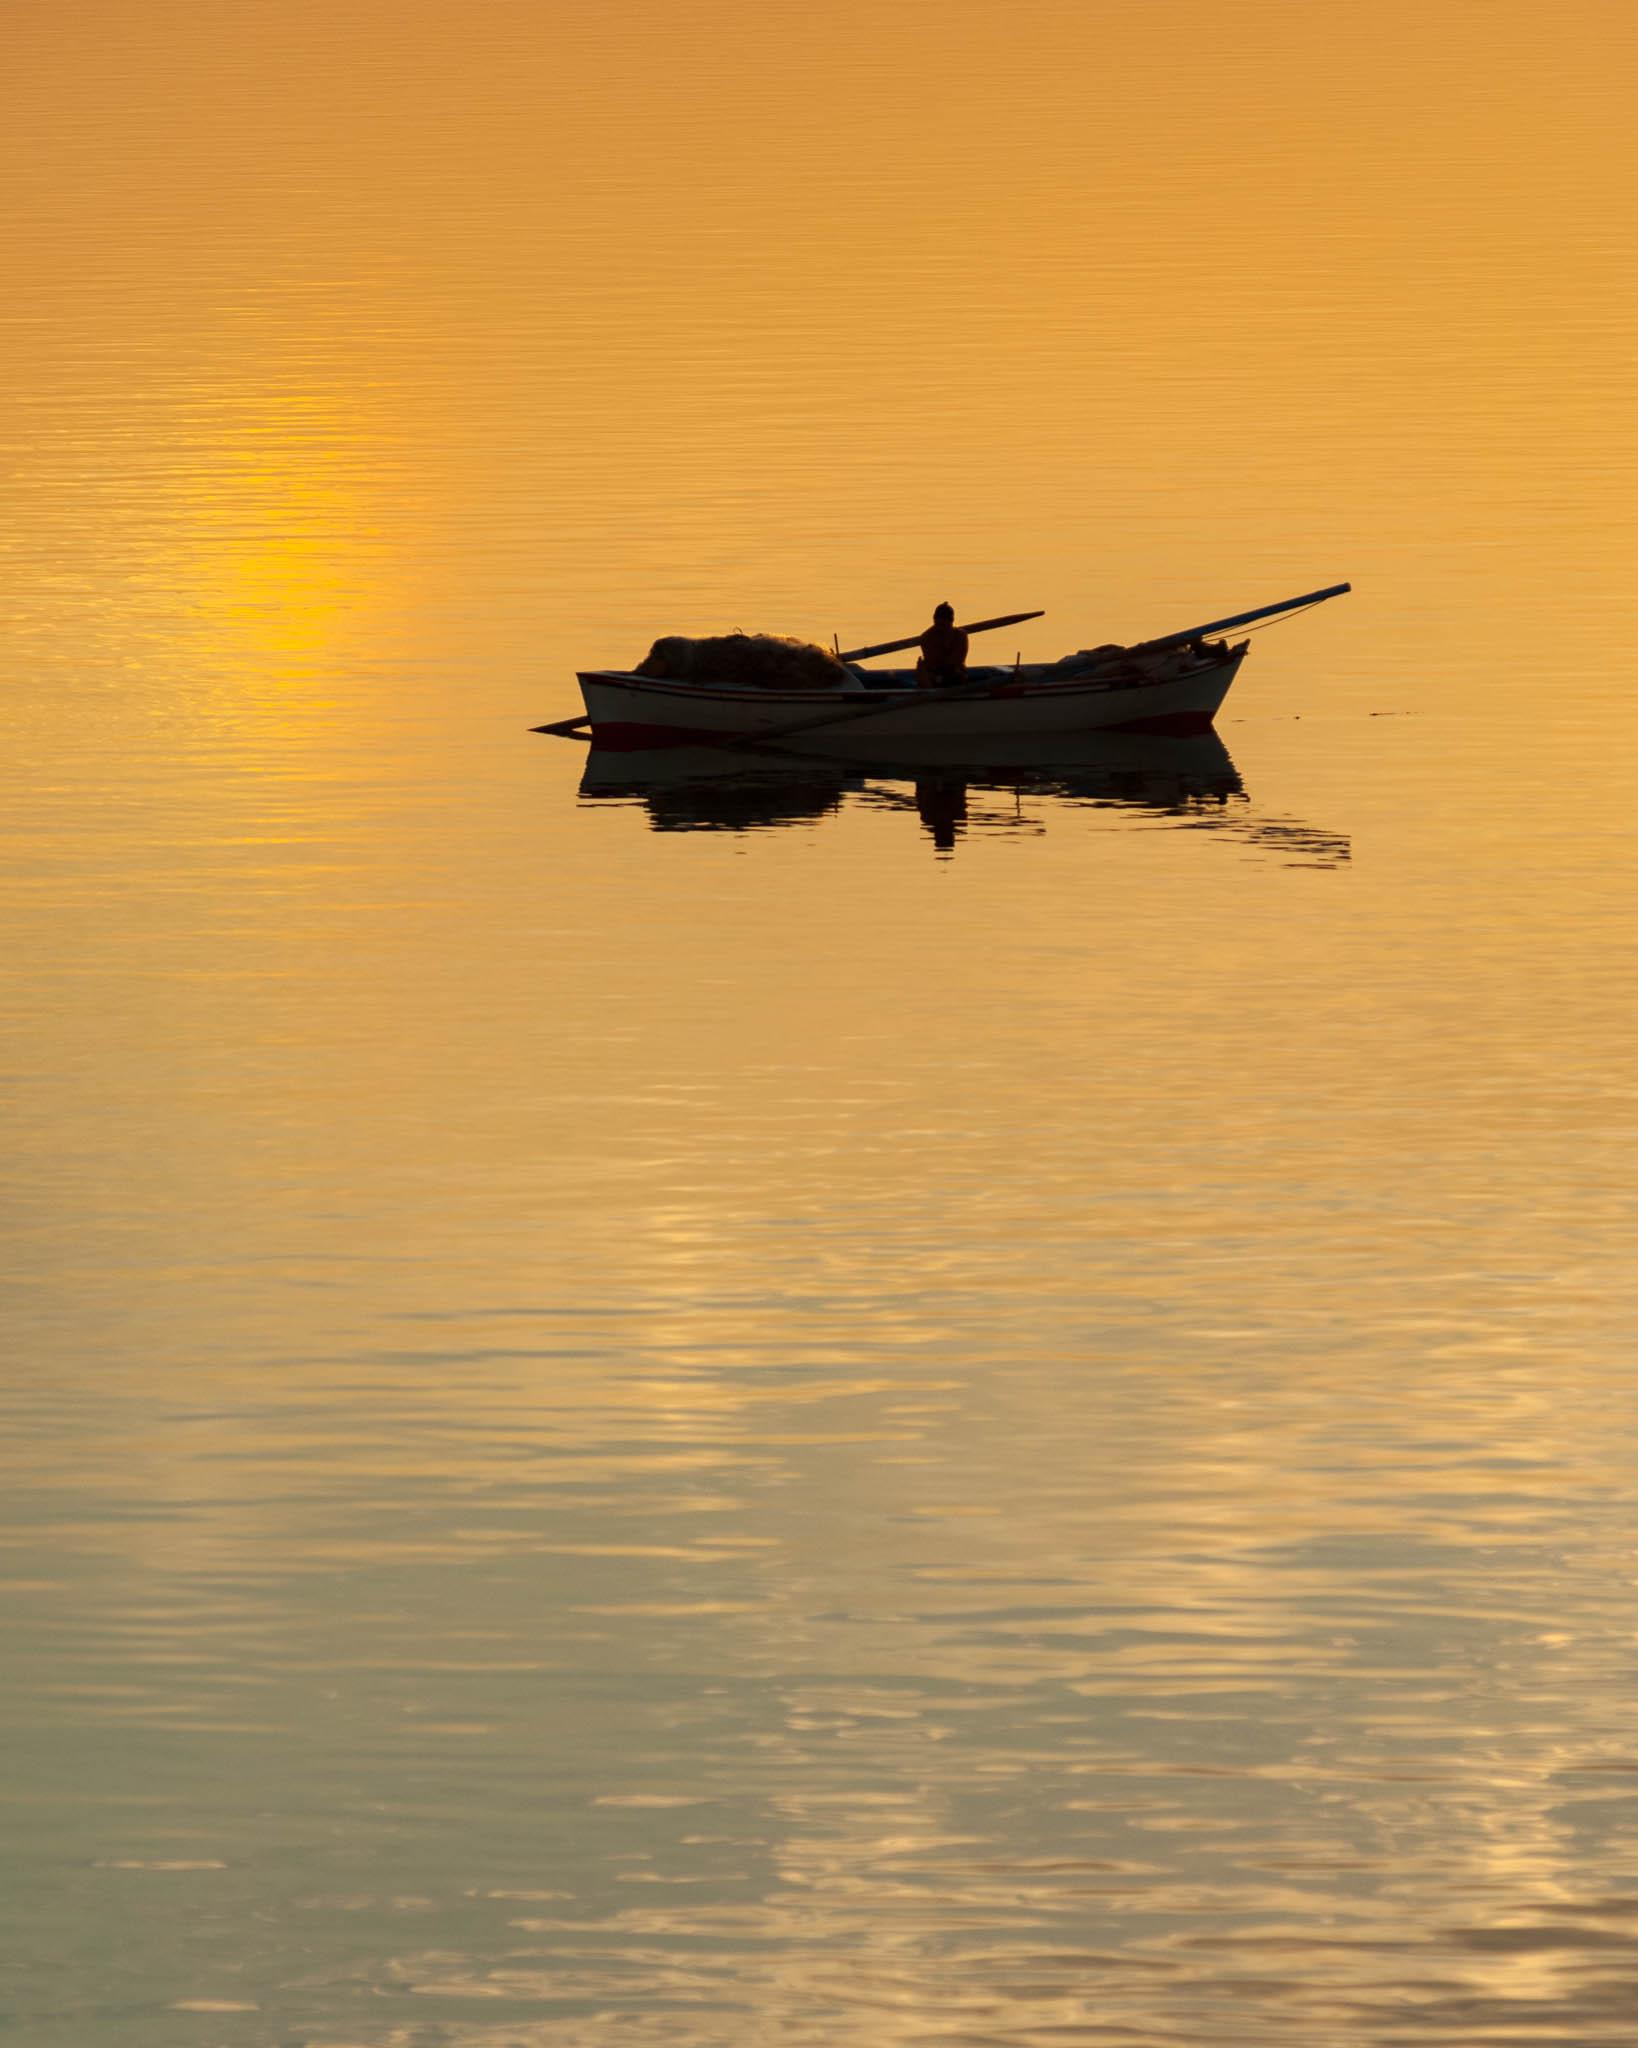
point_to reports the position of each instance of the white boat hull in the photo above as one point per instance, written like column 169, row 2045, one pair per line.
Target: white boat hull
column 635, row 711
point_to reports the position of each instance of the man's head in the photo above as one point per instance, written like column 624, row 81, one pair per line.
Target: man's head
column 944, row 615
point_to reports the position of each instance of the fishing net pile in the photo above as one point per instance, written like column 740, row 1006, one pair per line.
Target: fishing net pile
column 743, row 661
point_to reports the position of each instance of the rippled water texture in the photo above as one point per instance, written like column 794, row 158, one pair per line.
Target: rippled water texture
column 808, row 1406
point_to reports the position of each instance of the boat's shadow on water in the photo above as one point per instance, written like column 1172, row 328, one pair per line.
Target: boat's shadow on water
column 1191, row 783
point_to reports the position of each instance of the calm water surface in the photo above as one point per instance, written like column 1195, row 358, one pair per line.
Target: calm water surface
column 803, row 1408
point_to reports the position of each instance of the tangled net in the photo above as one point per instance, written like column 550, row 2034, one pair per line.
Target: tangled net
column 743, row 661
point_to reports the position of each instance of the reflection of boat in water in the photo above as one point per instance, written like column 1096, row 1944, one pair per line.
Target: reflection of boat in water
column 1190, row 782
column 751, row 786
column 709, row 789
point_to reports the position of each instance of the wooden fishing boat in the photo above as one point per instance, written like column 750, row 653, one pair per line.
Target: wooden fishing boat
column 1174, row 685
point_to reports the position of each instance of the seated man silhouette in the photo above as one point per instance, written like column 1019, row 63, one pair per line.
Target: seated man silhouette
column 943, row 651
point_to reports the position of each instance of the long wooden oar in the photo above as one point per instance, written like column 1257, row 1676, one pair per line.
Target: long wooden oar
column 901, row 646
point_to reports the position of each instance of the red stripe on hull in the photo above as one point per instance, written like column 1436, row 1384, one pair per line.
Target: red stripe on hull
column 1175, row 724
column 626, row 737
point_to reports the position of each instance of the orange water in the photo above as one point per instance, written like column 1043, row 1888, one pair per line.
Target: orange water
column 618, row 1431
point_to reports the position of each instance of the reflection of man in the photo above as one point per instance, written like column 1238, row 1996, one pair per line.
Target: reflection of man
column 943, row 651
column 943, row 808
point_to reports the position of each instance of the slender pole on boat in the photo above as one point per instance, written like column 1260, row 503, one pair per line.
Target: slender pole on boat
column 899, row 646
column 1266, row 611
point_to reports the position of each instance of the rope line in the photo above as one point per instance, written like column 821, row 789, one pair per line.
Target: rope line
column 1247, row 631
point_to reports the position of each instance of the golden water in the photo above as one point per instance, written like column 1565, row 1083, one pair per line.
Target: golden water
column 786, row 1433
